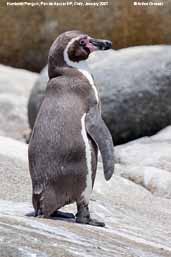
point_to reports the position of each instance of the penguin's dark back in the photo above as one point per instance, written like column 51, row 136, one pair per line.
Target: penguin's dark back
column 56, row 135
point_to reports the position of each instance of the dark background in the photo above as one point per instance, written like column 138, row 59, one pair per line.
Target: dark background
column 26, row 33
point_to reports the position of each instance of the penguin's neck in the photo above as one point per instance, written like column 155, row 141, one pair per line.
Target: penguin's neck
column 83, row 68
column 69, row 68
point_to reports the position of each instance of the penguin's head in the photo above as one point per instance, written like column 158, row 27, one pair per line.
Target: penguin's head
column 72, row 47
column 80, row 46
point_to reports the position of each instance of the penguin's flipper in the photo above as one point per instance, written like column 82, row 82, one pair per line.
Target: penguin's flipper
column 99, row 132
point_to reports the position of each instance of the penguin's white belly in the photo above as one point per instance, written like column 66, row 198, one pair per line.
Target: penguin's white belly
column 88, row 189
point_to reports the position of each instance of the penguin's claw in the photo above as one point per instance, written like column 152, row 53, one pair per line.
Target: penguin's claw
column 89, row 221
column 94, row 222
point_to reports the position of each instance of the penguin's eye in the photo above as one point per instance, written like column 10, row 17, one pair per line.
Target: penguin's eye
column 82, row 42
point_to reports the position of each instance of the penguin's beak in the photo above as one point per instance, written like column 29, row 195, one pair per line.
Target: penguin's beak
column 101, row 44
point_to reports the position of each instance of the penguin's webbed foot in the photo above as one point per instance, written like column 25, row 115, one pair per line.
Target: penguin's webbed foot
column 63, row 215
column 94, row 222
column 83, row 217
column 89, row 221
column 55, row 214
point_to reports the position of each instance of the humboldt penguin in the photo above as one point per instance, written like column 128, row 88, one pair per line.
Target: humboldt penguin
column 69, row 131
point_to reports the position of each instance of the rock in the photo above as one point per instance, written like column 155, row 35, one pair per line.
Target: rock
column 134, row 86
column 147, row 161
column 156, row 180
column 36, row 96
column 15, row 86
column 14, row 174
column 127, row 208
column 121, row 22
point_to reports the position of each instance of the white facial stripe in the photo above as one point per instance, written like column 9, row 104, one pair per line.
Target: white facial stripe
column 86, row 193
column 82, row 66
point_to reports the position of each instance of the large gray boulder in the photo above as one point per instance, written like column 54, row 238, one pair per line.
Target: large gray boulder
column 15, row 87
column 135, row 90
column 137, row 222
column 36, row 96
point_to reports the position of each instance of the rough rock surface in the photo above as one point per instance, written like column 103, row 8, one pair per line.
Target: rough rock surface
column 134, row 86
column 147, row 161
column 28, row 47
column 14, row 179
column 15, row 86
column 137, row 222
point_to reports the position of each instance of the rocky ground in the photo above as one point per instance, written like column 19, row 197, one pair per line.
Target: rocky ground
column 135, row 203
